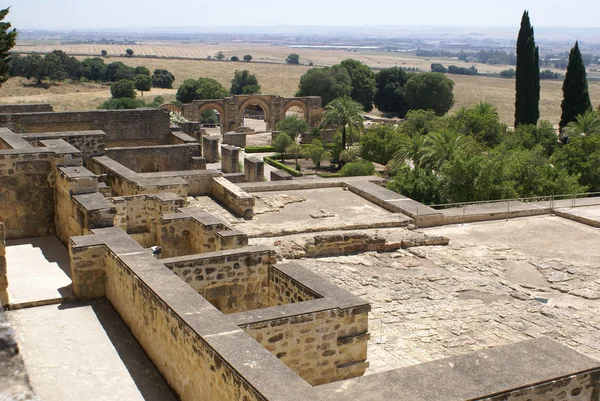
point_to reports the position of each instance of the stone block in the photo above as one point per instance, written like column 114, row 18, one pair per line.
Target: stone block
column 210, row 148
column 279, row 175
column 230, row 158
column 235, row 139
column 254, row 169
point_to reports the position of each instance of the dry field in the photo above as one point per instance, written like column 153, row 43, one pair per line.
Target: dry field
column 279, row 79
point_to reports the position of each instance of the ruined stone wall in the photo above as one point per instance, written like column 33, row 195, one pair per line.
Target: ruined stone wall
column 582, row 387
column 25, row 108
column 285, row 290
column 234, row 198
column 133, row 126
column 233, row 281
column 27, row 194
column 320, row 346
column 155, row 158
column 3, row 275
column 89, row 143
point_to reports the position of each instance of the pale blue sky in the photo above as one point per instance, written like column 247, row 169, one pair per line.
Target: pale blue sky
column 95, row 14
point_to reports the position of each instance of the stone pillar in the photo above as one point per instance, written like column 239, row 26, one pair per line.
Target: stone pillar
column 230, row 158
column 210, row 148
column 3, row 276
column 279, row 175
column 254, row 169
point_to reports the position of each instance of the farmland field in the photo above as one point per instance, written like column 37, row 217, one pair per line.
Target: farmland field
column 278, row 79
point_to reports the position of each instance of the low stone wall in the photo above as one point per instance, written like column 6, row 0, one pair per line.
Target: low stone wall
column 233, row 281
column 125, row 127
column 148, row 159
column 3, row 274
column 237, row 139
column 89, row 143
column 471, row 218
column 283, row 289
column 278, row 175
column 234, row 198
column 25, row 108
column 194, row 232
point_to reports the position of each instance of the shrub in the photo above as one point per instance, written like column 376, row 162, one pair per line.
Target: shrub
column 357, row 168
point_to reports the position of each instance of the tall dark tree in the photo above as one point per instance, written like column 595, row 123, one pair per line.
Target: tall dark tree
column 7, row 42
column 390, row 84
column 576, row 97
column 527, row 104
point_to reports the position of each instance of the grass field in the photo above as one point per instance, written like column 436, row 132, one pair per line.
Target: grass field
column 278, row 79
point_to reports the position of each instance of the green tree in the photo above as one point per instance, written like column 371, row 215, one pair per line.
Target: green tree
column 293, row 126
column 527, row 107
column 429, row 90
column 357, row 168
column 585, row 124
column 281, row 143
column 220, row 55
column 121, row 103
column 118, row 71
column 129, row 52
column 247, row 58
column 94, row 69
column 209, row 88
column 390, row 84
column 343, row 114
column 8, row 39
column 162, row 79
column 581, row 156
column 293, row 58
column 103, row 53
column 186, row 93
column 442, row 146
column 235, row 58
column 143, row 83
column 576, row 96
column 122, row 88
column 412, row 150
column 419, row 184
column 363, row 82
column 141, row 70
column 316, row 153
column 209, row 117
column 294, row 150
column 481, row 122
column 380, row 143
column 329, row 83
column 244, row 83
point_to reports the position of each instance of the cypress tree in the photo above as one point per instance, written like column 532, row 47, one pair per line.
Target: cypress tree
column 576, row 98
column 7, row 42
column 527, row 104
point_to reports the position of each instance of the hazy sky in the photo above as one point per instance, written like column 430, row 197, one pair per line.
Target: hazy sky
column 69, row 14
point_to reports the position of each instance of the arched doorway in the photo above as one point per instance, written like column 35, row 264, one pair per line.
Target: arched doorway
column 296, row 107
column 255, row 114
column 211, row 116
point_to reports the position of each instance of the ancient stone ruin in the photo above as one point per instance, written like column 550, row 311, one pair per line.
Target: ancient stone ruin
column 226, row 286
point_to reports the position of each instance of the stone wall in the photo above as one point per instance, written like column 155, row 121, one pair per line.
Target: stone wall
column 232, row 197
column 320, row 346
column 254, row 169
column 89, row 143
column 584, row 387
column 230, row 159
column 126, row 127
column 285, row 290
column 233, row 281
column 148, row 159
column 237, row 139
column 3, row 275
column 210, row 148
column 25, row 108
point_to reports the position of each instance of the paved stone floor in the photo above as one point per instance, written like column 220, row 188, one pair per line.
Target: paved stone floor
column 496, row 283
column 38, row 272
column 83, row 351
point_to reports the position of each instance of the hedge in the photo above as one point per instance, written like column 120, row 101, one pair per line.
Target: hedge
column 272, row 162
column 259, row 149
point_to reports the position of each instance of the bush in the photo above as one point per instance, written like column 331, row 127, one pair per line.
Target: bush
column 122, row 103
column 357, row 168
column 122, row 88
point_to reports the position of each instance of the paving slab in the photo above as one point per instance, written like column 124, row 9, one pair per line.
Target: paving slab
column 83, row 351
column 38, row 272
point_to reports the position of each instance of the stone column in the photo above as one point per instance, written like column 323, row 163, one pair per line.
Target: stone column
column 235, row 139
column 230, row 158
column 3, row 276
column 210, row 148
column 254, row 169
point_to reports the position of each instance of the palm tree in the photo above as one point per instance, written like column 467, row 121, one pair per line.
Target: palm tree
column 440, row 146
column 486, row 108
column 587, row 123
column 343, row 114
column 411, row 149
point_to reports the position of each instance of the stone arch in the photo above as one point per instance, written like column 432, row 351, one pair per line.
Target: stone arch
column 213, row 106
column 171, row 107
column 298, row 103
column 255, row 101
column 149, row 168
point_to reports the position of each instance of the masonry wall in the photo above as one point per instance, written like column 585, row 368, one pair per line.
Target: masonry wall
column 162, row 158
column 89, row 143
column 582, row 387
column 126, row 127
column 25, row 108
column 233, row 281
column 27, row 194
column 234, row 198
column 320, row 346
column 285, row 290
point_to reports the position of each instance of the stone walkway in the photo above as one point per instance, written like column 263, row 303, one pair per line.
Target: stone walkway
column 38, row 272
column 83, row 351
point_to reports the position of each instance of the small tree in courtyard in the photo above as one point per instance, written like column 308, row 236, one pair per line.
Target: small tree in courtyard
column 281, row 143
column 293, row 126
column 343, row 114
column 316, row 153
